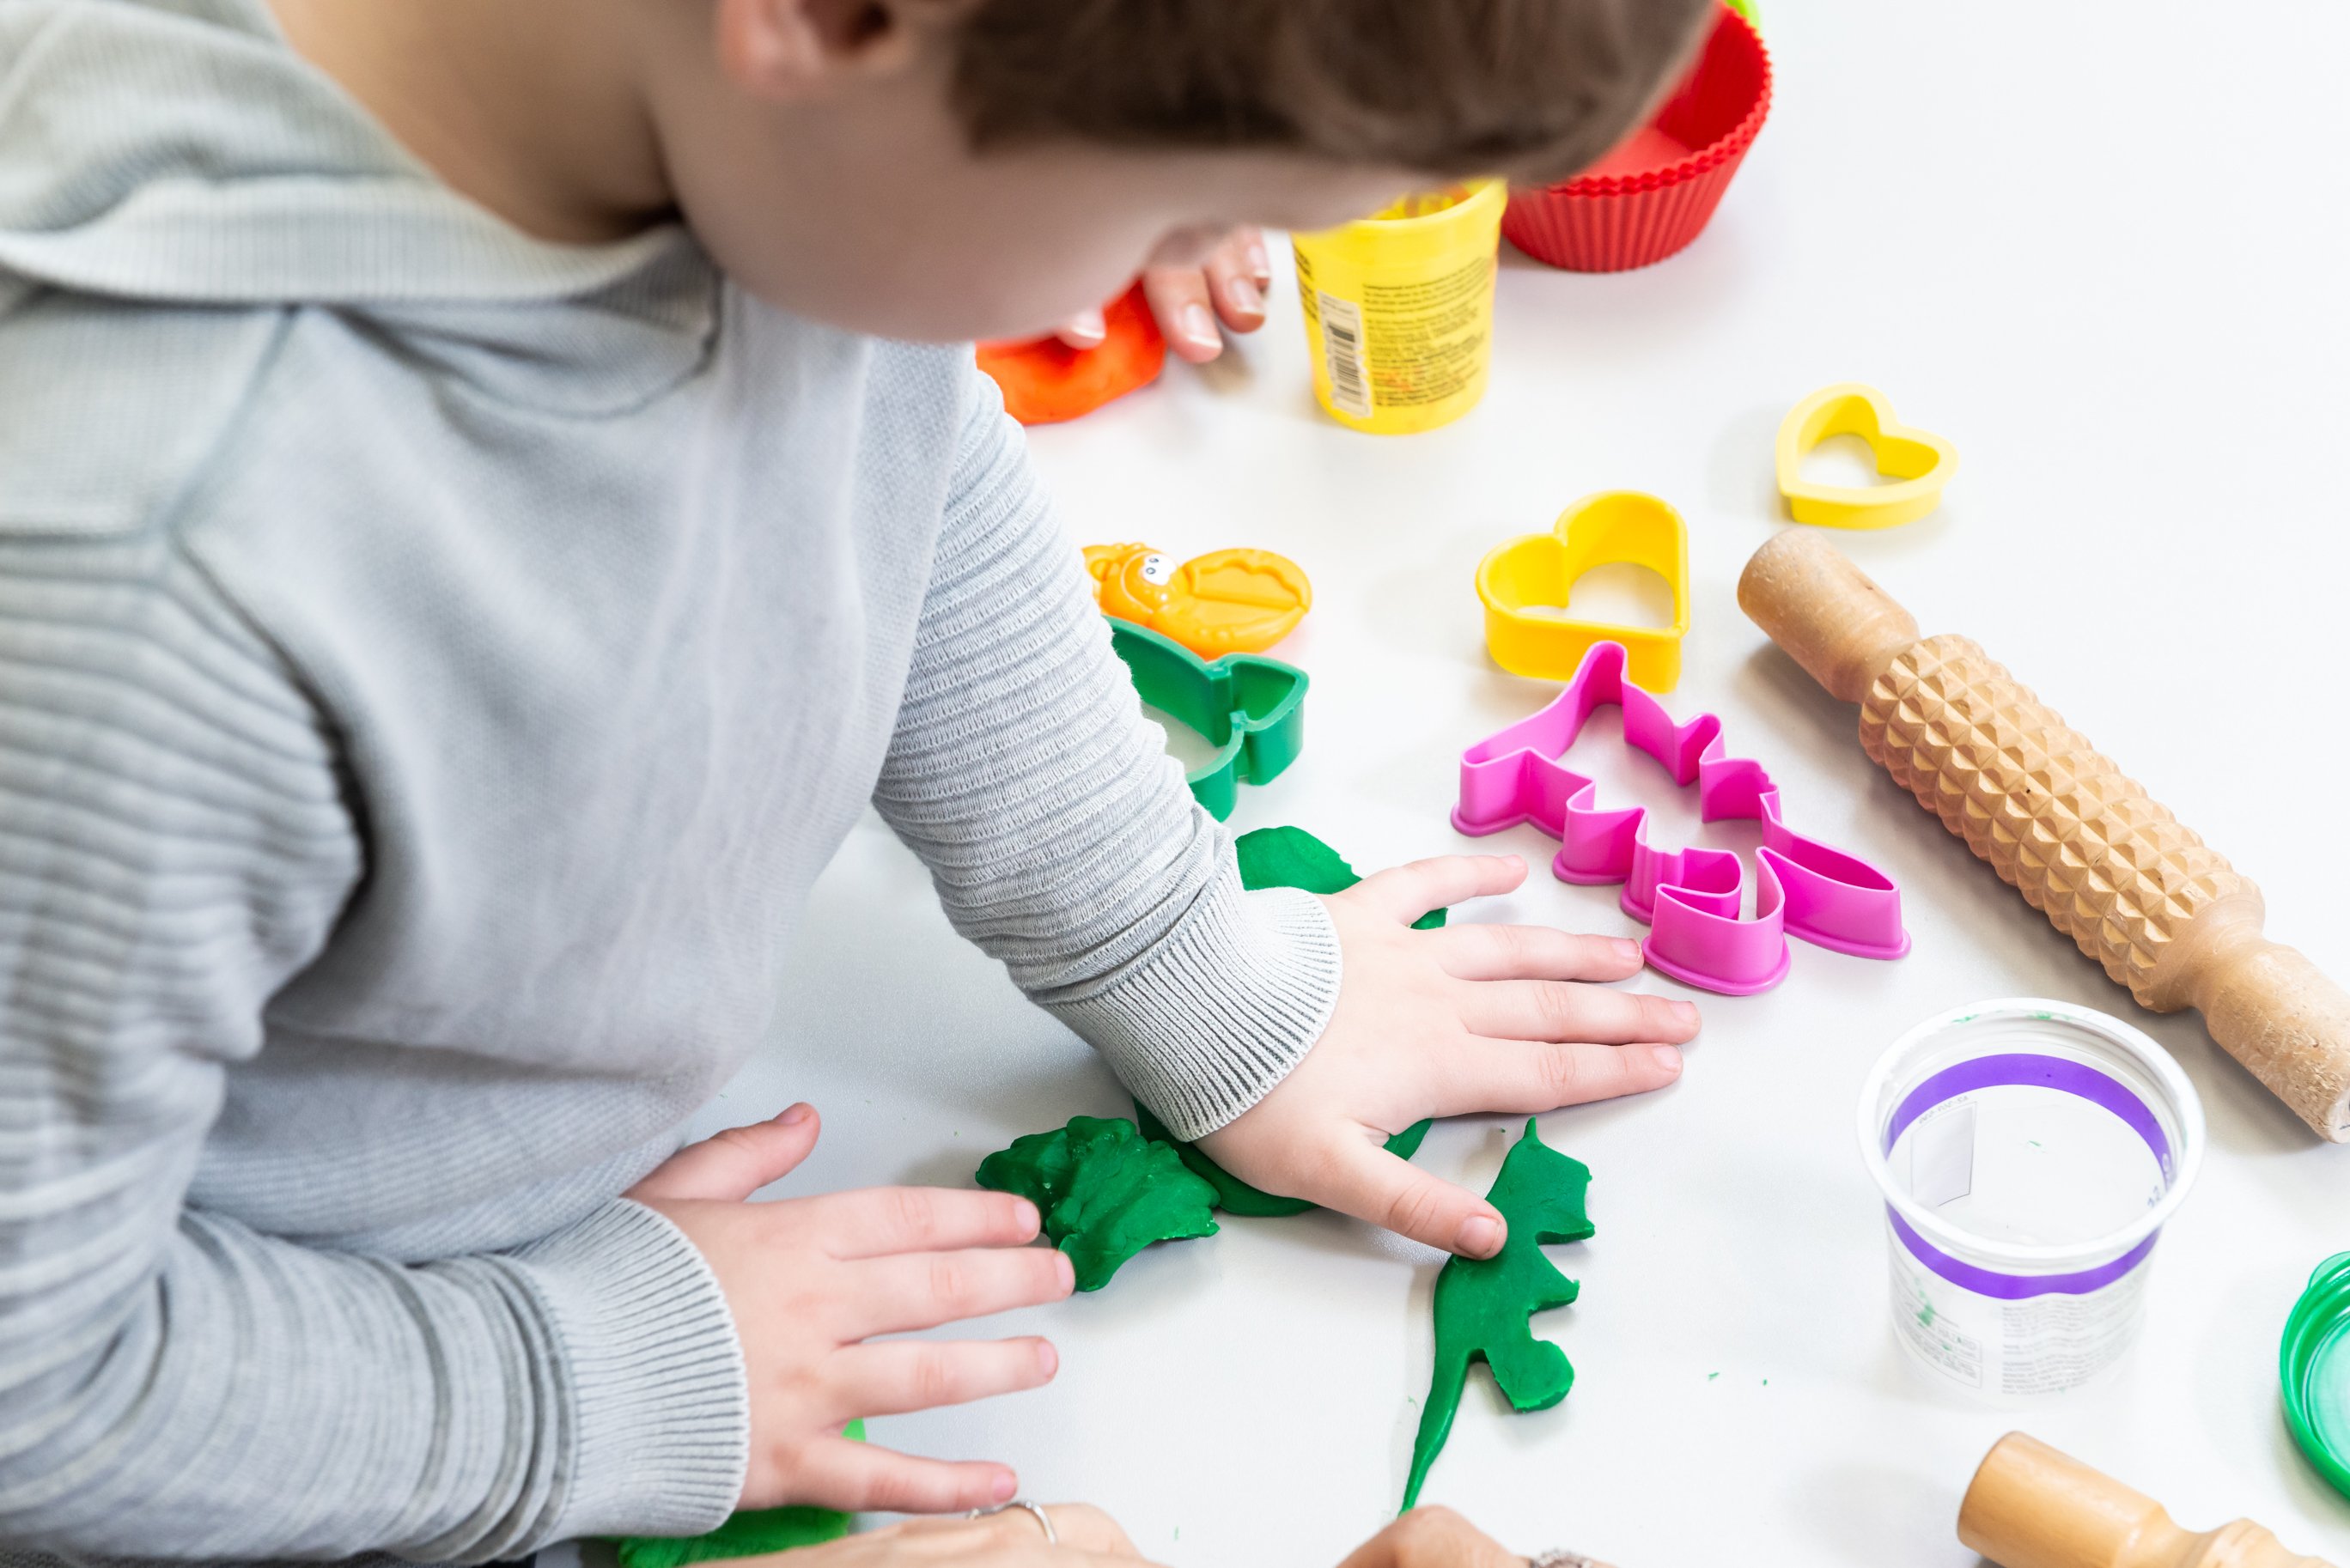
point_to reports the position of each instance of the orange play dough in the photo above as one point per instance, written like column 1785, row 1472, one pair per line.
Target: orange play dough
column 1045, row 381
column 1227, row 601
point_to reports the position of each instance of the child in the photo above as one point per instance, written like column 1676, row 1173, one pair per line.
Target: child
column 477, row 524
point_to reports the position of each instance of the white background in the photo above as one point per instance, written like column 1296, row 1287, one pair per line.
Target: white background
column 2101, row 248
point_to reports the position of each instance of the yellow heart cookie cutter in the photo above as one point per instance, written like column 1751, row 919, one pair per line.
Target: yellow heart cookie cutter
column 1540, row 570
column 1919, row 461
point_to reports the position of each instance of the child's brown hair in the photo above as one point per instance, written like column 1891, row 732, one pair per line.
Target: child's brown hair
column 1531, row 89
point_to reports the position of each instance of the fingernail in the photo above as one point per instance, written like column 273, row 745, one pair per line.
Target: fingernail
column 1088, row 327
column 794, row 1116
column 1627, row 949
column 1003, row 1486
column 1066, row 1270
column 1668, row 1057
column 1197, row 328
column 1260, row 263
column 1685, row 1010
column 1480, row 1236
column 1247, row 297
column 1030, row 1220
column 1048, row 1360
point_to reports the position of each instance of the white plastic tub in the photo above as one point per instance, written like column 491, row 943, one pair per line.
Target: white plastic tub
column 2029, row 1152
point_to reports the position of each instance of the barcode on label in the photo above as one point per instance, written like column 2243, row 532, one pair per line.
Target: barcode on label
column 1342, row 345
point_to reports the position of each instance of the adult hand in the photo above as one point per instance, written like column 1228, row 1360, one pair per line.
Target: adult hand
column 1424, row 1538
column 810, row 1280
column 1433, row 1538
column 1012, row 1539
column 1188, row 301
column 1442, row 1024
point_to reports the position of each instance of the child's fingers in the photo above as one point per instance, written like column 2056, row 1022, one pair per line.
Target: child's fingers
column 1562, row 1010
column 735, row 1163
column 1178, row 298
column 1233, row 282
column 862, row 1478
column 1254, row 258
column 1526, row 1078
column 912, row 1291
column 875, row 1222
column 1531, row 952
column 1368, row 1182
column 1086, row 330
column 1405, row 893
column 898, row 1377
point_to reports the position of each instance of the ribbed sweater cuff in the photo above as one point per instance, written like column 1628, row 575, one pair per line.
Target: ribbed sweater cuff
column 659, row 1399
column 1220, row 1012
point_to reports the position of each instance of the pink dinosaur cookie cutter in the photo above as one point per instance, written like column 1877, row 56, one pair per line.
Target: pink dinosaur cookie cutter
column 1688, row 899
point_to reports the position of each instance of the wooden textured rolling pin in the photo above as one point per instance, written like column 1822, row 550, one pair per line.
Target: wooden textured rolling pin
column 2112, row 870
column 2032, row 1507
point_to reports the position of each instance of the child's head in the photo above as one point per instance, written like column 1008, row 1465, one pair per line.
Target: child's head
column 949, row 169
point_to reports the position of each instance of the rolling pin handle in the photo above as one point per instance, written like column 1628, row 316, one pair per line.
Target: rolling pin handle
column 1824, row 611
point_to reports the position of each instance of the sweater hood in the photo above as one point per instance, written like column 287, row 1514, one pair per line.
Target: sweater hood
column 180, row 151
column 178, row 188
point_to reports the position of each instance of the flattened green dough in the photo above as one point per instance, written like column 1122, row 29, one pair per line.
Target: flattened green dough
column 1482, row 1305
column 1105, row 1191
column 745, row 1534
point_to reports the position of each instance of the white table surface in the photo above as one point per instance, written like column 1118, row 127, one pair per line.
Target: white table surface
column 2103, row 249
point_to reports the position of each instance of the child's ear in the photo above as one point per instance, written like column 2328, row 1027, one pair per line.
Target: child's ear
column 787, row 49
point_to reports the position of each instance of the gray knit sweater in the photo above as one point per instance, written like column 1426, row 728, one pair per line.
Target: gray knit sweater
column 434, row 665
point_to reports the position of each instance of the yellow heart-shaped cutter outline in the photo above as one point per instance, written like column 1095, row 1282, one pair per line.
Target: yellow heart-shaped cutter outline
column 1599, row 530
column 1919, row 462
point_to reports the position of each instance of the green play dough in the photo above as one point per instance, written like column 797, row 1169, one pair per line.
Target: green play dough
column 1105, row 1190
column 1483, row 1305
column 745, row 1534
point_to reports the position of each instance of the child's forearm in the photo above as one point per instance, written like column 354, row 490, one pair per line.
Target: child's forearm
column 172, row 845
column 1061, row 837
column 247, row 1398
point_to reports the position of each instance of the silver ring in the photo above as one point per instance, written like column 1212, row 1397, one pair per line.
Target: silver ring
column 1559, row 1557
column 1036, row 1511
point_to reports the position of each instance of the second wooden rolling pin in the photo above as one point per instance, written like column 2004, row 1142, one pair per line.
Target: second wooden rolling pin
column 2032, row 1507
column 2110, row 867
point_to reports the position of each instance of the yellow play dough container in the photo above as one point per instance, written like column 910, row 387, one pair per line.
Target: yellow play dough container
column 1400, row 310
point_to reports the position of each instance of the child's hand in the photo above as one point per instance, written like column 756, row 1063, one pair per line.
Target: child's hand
column 1188, row 301
column 1441, row 1023
column 809, row 1280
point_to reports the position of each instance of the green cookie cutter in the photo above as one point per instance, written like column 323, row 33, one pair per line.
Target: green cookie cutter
column 1251, row 709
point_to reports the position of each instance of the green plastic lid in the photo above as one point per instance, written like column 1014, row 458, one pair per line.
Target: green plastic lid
column 2314, row 1363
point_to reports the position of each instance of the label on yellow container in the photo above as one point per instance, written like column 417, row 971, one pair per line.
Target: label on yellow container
column 1400, row 310
column 1342, row 350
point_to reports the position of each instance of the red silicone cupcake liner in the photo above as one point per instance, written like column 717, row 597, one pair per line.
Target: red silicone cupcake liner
column 1655, row 193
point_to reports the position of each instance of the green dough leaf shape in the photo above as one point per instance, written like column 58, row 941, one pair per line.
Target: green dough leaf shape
column 1105, row 1190
column 745, row 1534
column 1482, row 1304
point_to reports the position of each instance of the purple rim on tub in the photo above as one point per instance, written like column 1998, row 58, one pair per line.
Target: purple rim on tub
column 2030, row 1069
